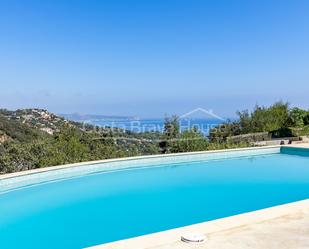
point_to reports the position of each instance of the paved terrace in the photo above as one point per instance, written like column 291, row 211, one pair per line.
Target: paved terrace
column 284, row 227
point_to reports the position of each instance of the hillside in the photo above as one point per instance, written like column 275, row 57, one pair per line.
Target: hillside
column 35, row 138
column 39, row 119
column 32, row 138
column 14, row 129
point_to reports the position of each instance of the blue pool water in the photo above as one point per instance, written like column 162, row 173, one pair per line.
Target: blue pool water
column 104, row 207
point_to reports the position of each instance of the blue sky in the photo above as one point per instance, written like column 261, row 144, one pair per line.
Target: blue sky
column 151, row 58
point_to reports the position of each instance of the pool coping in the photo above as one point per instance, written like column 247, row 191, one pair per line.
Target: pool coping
column 166, row 238
column 73, row 165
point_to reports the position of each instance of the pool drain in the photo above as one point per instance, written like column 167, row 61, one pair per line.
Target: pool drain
column 193, row 238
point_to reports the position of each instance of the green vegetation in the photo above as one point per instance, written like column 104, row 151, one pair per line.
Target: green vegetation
column 18, row 131
column 174, row 141
column 276, row 121
column 69, row 145
column 35, row 138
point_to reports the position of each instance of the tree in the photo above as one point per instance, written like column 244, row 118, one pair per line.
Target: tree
column 298, row 116
column 171, row 127
column 262, row 119
column 277, row 116
column 17, row 157
column 171, row 132
column 306, row 119
column 189, row 140
column 244, row 122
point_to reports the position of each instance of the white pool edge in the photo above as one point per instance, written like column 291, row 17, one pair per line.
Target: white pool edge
column 168, row 237
column 14, row 181
column 72, row 165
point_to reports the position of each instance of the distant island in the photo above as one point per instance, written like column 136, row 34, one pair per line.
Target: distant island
column 84, row 117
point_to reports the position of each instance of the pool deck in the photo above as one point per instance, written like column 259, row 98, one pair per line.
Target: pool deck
column 285, row 227
column 301, row 145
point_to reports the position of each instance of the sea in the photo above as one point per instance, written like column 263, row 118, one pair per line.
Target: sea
column 155, row 125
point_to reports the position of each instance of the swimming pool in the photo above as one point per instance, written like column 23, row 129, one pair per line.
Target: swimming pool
column 98, row 203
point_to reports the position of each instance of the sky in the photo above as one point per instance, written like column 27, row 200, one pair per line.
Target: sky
column 153, row 57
